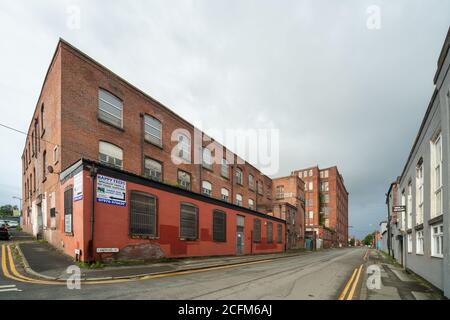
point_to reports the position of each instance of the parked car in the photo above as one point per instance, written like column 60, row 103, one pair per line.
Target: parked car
column 4, row 232
column 12, row 223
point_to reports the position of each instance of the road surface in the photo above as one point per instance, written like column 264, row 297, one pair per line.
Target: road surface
column 319, row 275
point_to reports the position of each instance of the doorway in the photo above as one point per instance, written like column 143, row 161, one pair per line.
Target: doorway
column 240, row 235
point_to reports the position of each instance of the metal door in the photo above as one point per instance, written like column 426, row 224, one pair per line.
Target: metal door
column 239, row 243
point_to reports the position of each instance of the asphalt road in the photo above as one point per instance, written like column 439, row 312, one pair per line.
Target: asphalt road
column 320, row 275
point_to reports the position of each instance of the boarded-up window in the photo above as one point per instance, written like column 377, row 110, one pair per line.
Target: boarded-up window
column 68, row 210
column 142, row 214
column 279, row 233
column 188, row 222
column 219, row 226
column 256, row 230
column 269, row 231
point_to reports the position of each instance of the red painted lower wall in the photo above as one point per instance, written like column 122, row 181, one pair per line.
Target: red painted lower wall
column 111, row 228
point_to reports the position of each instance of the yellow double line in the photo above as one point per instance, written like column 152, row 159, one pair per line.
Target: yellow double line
column 16, row 276
column 351, row 285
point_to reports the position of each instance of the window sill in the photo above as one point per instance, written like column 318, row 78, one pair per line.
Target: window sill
column 419, row 253
column 110, row 124
column 418, row 227
column 159, row 146
column 70, row 234
column 436, row 220
column 208, row 169
column 438, row 257
column 188, row 239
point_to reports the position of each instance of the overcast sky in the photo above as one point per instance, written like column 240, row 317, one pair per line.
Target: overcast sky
column 340, row 93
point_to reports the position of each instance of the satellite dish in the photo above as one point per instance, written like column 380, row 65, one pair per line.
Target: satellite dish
column 50, row 169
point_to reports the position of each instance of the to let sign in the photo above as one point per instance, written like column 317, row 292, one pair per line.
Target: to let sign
column 399, row 208
column 107, row 250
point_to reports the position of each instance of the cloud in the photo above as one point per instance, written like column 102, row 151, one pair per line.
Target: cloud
column 339, row 93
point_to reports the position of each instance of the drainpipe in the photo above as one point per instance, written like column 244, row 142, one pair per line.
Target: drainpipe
column 388, row 226
column 93, row 175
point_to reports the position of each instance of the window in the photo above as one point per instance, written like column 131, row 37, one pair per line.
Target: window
column 225, row 195
column 239, row 199
column 184, row 180
column 437, row 240
column 68, row 210
column 311, row 214
column 256, row 230
column 219, row 226
column 239, row 176
column 207, row 160
column 436, row 178
column 310, row 187
column 310, row 173
column 153, row 130
column 410, row 242
column 403, row 216
column 34, row 179
column 188, row 222
column 44, row 165
column 251, row 182
column 42, row 120
column 110, row 155
column 55, row 155
column 409, row 205
column 143, row 214
column 269, row 232
column 251, row 204
column 184, row 147
column 326, row 173
column 110, row 108
column 419, row 194
column 419, row 242
column 260, row 187
column 280, row 192
column 324, row 186
column 279, row 233
column 224, row 168
column 153, row 169
column 207, row 188
column 326, row 198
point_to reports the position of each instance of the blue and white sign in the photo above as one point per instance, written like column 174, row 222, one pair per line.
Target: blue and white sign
column 78, row 187
column 111, row 191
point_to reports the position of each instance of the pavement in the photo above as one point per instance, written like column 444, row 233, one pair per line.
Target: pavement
column 41, row 260
column 385, row 279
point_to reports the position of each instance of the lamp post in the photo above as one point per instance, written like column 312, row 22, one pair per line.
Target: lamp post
column 20, row 202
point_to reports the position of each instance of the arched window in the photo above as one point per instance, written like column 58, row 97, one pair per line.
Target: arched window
column 110, row 108
column 225, row 194
column 207, row 188
column 110, row 155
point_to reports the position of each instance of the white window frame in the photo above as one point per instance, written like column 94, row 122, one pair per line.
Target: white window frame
column 239, row 174
column 409, row 204
column 251, row 182
column 152, row 122
column 437, row 240
column 55, row 155
column 436, row 177
column 225, row 194
column 184, row 147
column 409, row 243
column 207, row 188
column 224, row 169
column 419, row 242
column 419, row 194
column 207, row 159
column 239, row 199
column 117, row 107
column 251, row 204
column 153, row 172
column 115, row 158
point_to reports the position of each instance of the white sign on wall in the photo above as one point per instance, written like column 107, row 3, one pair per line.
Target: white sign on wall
column 78, row 187
column 111, row 191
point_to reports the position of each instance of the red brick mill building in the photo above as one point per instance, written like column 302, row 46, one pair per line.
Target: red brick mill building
column 98, row 174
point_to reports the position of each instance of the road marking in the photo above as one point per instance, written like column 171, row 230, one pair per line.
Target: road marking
column 355, row 283
column 9, row 290
column 21, row 278
column 7, row 286
column 347, row 286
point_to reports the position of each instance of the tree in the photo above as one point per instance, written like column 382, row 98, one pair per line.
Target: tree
column 7, row 210
column 352, row 241
column 368, row 240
